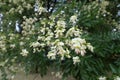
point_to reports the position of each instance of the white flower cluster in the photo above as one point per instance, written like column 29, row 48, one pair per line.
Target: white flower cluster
column 79, row 45
column 19, row 9
column 60, row 40
column 57, row 49
column 27, row 25
column 60, row 28
column 52, row 54
column 59, row 45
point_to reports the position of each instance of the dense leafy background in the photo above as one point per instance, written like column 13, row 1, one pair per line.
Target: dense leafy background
column 100, row 27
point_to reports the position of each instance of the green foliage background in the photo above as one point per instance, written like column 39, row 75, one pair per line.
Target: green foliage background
column 97, row 29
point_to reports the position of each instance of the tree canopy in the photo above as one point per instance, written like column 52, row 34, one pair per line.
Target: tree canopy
column 78, row 38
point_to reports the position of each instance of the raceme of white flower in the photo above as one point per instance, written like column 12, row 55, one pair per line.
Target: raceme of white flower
column 102, row 78
column 90, row 47
column 61, row 23
column 35, row 44
column 76, row 59
column 73, row 32
column 73, row 19
column 24, row 52
column 60, row 28
column 80, row 45
column 57, row 49
column 27, row 25
column 52, row 54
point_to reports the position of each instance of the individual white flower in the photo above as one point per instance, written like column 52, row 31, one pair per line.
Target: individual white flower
column 42, row 44
column 76, row 59
column 2, row 37
column 77, row 33
column 24, row 17
column 48, row 38
column 28, row 6
column 82, row 52
column 12, row 45
column 78, row 40
column 61, row 23
column 4, row 49
column 12, row 77
column 34, row 50
column 102, row 78
column 39, row 38
column 90, row 47
column 61, row 52
column 73, row 19
column 59, row 33
column 67, row 53
column 35, row 44
column 43, row 30
column 117, row 78
column 62, row 12
column 70, row 32
column 24, row 52
column 51, row 55
column 60, row 44
column 21, row 43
